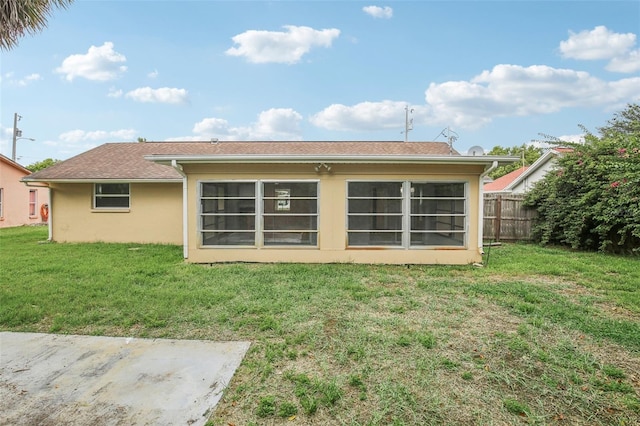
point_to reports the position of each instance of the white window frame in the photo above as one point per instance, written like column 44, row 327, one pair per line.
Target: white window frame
column 96, row 196
column 407, row 215
column 33, row 204
column 1, row 203
column 402, row 215
column 464, row 215
column 259, row 215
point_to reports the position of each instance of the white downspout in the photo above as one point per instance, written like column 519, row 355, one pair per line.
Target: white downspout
column 185, row 222
column 494, row 165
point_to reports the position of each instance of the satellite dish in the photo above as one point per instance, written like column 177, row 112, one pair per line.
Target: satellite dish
column 475, row 150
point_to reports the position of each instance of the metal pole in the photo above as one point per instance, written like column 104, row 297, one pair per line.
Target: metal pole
column 15, row 135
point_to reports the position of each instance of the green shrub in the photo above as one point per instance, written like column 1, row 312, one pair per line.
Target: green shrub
column 592, row 200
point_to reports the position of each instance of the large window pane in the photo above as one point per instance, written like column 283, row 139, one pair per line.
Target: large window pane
column 375, row 238
column 228, row 238
column 289, row 213
column 290, row 238
column 438, row 214
column 437, row 239
column 376, row 213
column 372, row 208
column 437, row 189
column 228, row 213
column 111, row 195
column 290, row 223
column 375, row 206
column 375, row 189
column 295, row 189
column 375, row 222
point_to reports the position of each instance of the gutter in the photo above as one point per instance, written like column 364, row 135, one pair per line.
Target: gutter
column 346, row 159
column 185, row 230
column 491, row 168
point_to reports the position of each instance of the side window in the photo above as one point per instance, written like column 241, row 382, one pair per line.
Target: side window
column 111, row 195
column 33, row 202
column 1, row 203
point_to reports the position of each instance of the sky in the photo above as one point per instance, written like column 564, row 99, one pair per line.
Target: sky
column 477, row 73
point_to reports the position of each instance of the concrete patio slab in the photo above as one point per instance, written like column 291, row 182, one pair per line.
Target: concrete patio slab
column 48, row 379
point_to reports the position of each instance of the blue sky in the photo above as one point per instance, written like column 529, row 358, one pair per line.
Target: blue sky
column 493, row 72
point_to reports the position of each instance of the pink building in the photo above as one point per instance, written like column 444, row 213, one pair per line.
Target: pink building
column 20, row 204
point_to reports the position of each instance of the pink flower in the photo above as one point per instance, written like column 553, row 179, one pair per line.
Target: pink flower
column 615, row 184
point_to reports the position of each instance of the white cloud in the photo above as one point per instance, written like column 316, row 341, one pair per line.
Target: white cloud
column 211, row 127
column 21, row 82
column 513, row 90
column 280, row 47
column 99, row 64
column 378, row 12
column 601, row 43
column 114, row 93
column 153, row 74
column 273, row 124
column 78, row 136
column 166, row 95
column 628, row 63
column 365, row 116
column 28, row 79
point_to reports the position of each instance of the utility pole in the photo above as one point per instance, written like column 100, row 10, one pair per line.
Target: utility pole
column 408, row 123
column 16, row 134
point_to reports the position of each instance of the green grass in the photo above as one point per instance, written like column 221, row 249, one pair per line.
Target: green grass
column 539, row 336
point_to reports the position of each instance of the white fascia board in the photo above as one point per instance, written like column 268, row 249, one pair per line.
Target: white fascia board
column 484, row 160
column 86, row 180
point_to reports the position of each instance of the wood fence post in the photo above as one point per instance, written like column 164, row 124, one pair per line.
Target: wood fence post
column 498, row 212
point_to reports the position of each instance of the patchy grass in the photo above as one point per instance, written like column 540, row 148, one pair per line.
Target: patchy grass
column 540, row 336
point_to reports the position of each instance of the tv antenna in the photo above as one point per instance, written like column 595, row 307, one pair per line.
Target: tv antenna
column 408, row 122
column 451, row 137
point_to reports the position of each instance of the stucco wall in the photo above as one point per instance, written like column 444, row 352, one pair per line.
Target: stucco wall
column 15, row 208
column 154, row 216
column 332, row 245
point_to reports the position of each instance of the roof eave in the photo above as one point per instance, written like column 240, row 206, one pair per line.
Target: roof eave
column 102, row 180
column 344, row 159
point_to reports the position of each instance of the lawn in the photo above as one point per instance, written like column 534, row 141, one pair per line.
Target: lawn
column 538, row 336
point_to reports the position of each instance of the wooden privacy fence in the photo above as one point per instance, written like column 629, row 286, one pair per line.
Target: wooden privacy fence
column 506, row 219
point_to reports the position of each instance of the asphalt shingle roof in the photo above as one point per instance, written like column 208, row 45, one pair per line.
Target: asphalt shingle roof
column 125, row 161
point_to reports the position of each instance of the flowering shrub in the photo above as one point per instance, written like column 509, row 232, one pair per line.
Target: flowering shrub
column 593, row 200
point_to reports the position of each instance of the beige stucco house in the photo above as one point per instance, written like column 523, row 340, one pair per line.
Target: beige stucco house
column 362, row 202
column 20, row 205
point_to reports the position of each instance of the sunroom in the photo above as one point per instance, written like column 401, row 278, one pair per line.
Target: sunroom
column 376, row 202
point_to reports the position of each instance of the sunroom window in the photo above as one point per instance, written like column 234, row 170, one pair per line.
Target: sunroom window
column 438, row 214
column 228, row 213
column 290, row 213
column 375, row 213
column 259, row 213
column 111, row 195
column 406, row 214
